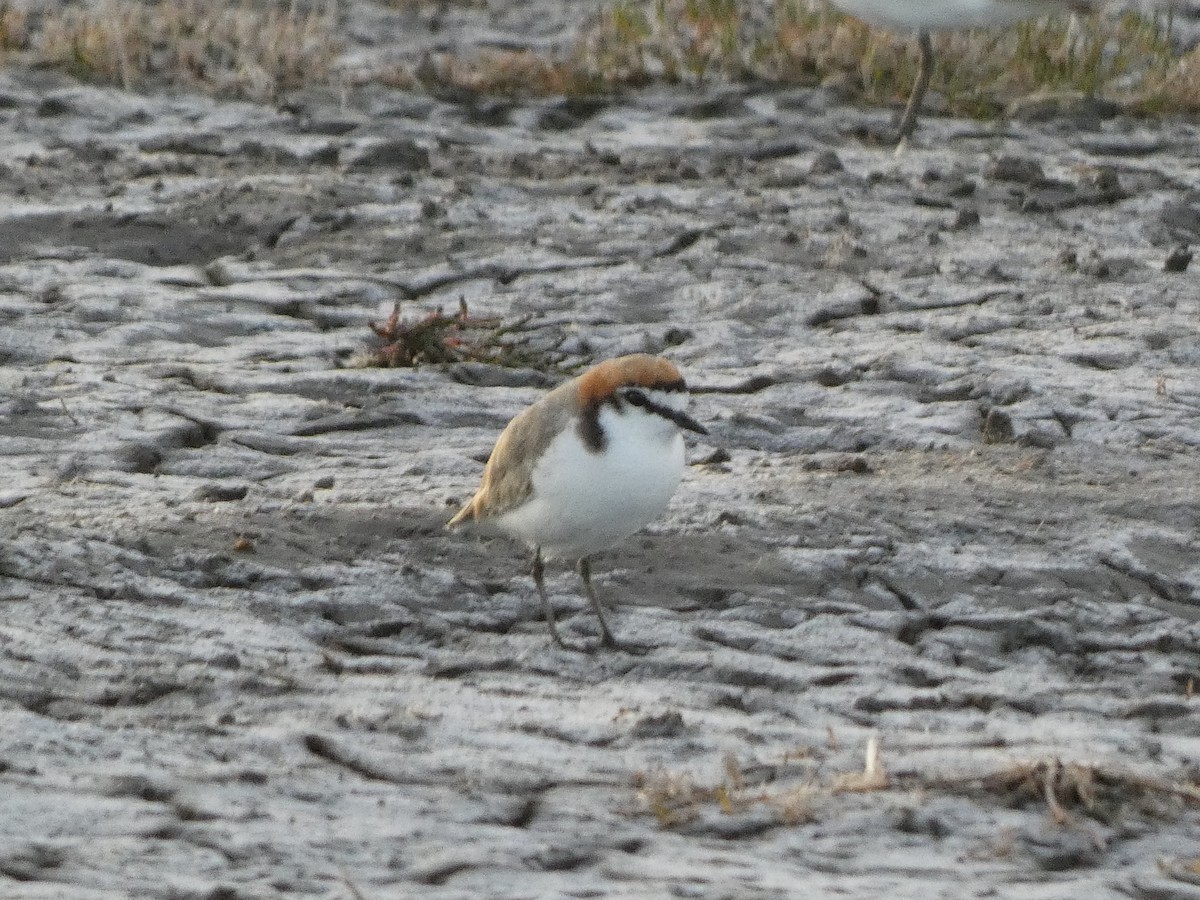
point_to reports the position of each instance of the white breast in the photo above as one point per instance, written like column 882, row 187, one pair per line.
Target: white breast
column 933, row 14
column 584, row 502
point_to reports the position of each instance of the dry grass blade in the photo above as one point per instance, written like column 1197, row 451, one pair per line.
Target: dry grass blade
column 873, row 777
column 438, row 337
column 1098, row 791
column 15, row 31
column 676, row 799
column 228, row 47
column 796, row 805
column 1187, row 871
column 506, row 73
column 260, row 48
column 671, row 798
column 1131, row 58
column 1049, row 790
column 1102, row 793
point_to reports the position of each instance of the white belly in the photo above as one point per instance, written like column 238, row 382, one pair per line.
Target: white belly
column 933, row 14
column 584, row 502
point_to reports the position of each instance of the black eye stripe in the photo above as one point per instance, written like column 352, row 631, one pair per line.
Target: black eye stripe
column 635, row 397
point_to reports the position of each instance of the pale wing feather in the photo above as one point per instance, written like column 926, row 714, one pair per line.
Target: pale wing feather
column 508, row 477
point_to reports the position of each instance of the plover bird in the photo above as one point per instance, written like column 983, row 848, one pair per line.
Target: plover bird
column 586, row 466
column 925, row 16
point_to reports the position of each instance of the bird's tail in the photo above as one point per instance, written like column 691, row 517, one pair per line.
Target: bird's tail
column 464, row 516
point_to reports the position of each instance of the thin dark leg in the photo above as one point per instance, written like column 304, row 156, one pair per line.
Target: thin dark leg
column 539, row 572
column 585, row 575
column 909, row 121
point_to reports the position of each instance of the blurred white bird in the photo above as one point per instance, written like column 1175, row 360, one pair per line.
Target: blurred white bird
column 925, row 16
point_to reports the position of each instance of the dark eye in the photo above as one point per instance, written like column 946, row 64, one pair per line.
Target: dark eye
column 636, row 397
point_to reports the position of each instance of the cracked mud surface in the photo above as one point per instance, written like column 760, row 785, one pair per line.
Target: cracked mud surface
column 958, row 396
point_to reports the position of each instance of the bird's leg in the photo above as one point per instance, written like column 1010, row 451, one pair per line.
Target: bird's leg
column 539, row 572
column 909, row 120
column 585, row 575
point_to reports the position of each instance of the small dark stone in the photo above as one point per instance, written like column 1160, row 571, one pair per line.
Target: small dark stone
column 831, row 377
column 773, row 149
column 142, row 787
column 729, row 104
column 852, row 463
column 960, row 187
column 53, row 106
column 826, row 163
column 1016, row 169
column 523, row 165
column 967, row 217
column 1064, row 849
column 1103, row 267
column 1051, row 199
column 220, row 493
column 329, row 155
column 753, row 385
column 139, row 458
column 511, row 812
column 1105, row 361
column 439, row 869
column 1106, row 184
column 997, row 427
column 399, row 154
column 1043, row 437
column 1159, row 709
column 950, row 392
column 750, row 824
column 911, row 821
column 204, row 143
column 668, row 724
column 673, row 337
column 488, row 111
column 720, row 455
column 561, row 859
column 274, row 153
column 555, row 118
column 332, row 127
column 1178, row 260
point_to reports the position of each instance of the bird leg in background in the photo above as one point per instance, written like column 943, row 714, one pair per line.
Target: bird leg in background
column 539, row 572
column 585, row 575
column 909, row 121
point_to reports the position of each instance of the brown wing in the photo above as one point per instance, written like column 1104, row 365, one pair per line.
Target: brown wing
column 508, row 477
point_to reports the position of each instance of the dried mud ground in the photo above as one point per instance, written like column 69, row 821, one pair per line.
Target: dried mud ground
column 950, row 499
